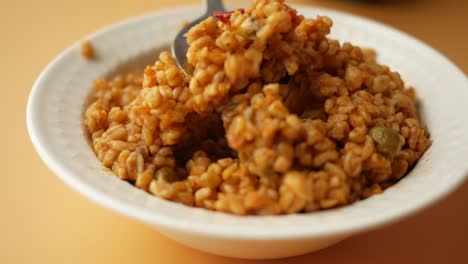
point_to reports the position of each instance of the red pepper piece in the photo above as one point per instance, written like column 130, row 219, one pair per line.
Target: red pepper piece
column 224, row 17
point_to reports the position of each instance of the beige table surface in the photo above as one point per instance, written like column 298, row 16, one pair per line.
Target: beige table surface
column 44, row 221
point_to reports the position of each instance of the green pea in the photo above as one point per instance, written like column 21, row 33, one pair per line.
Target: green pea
column 427, row 134
column 268, row 172
column 314, row 114
column 387, row 140
column 248, row 35
column 167, row 174
column 269, row 177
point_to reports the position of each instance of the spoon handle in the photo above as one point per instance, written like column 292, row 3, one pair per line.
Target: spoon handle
column 213, row 5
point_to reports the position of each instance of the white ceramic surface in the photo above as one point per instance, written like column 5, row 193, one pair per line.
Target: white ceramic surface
column 57, row 100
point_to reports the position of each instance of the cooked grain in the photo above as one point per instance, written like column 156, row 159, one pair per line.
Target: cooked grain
column 274, row 118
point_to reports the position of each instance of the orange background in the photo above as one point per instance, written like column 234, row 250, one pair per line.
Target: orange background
column 44, row 221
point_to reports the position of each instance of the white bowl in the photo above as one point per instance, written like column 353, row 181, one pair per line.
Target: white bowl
column 55, row 111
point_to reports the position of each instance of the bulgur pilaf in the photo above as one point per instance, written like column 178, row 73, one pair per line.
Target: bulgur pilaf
column 274, row 118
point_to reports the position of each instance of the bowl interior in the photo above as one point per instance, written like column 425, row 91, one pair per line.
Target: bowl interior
column 59, row 96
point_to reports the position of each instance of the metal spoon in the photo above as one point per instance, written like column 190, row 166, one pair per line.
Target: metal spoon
column 180, row 46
